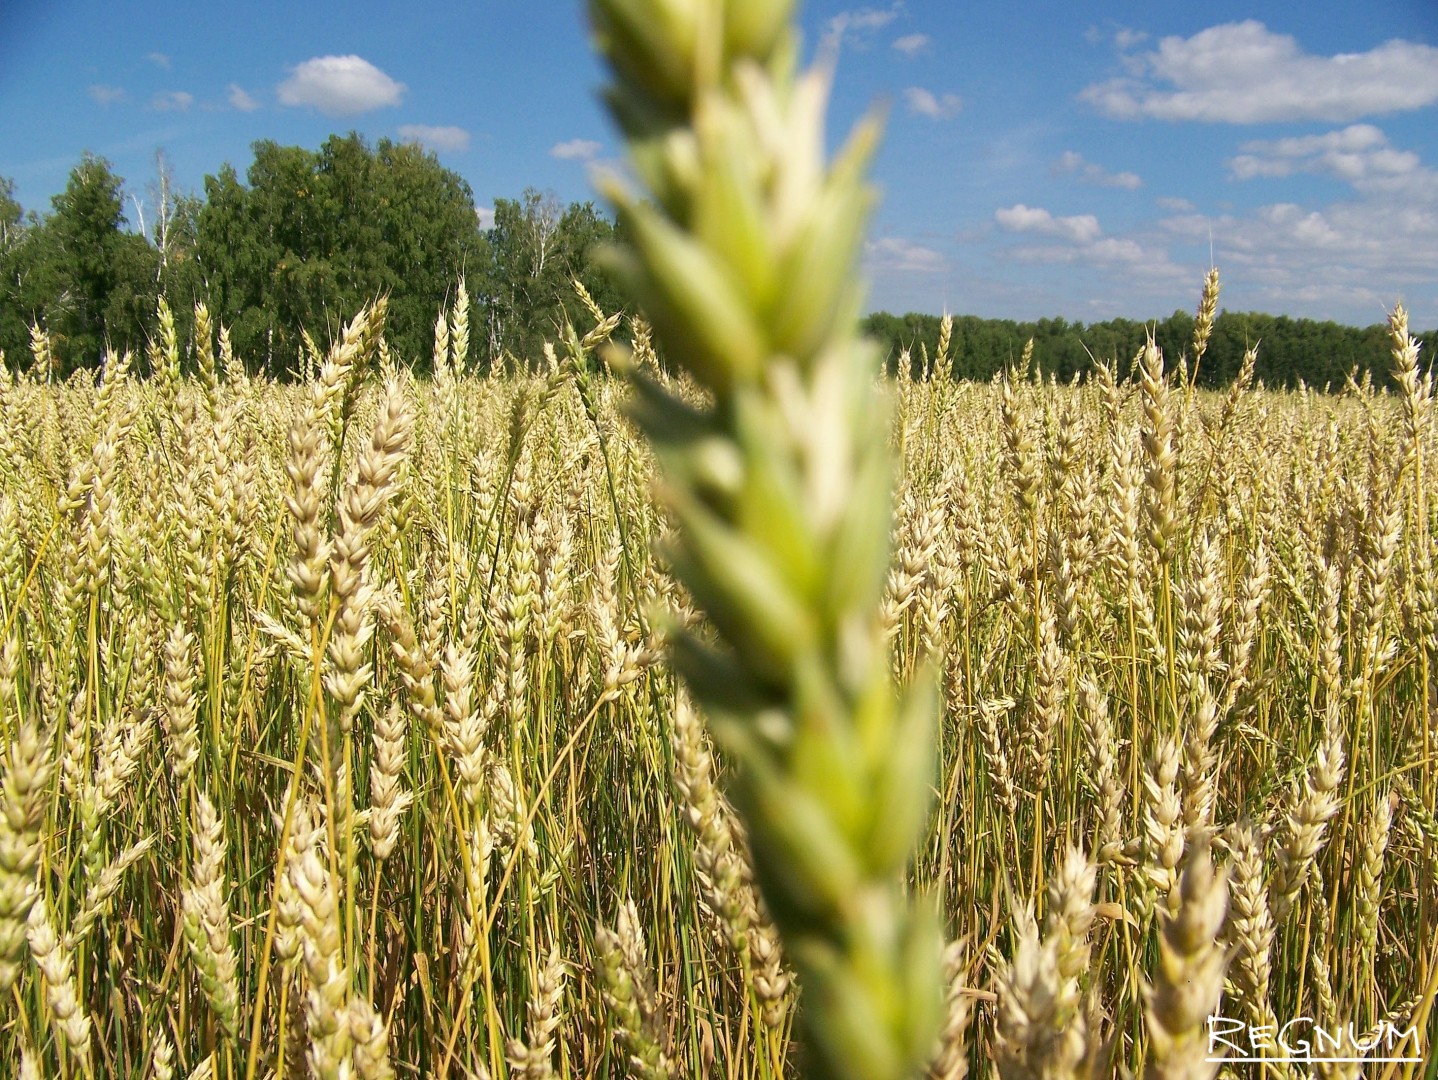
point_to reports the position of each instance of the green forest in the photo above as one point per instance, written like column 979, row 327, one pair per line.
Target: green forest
column 301, row 242
column 1319, row 354
column 306, row 237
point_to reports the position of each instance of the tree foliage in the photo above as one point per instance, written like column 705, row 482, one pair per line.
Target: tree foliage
column 10, row 214
column 82, row 275
column 1318, row 353
column 536, row 250
column 299, row 242
column 314, row 235
column 16, row 282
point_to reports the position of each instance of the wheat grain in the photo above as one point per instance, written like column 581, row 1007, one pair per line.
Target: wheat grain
column 207, row 917
column 1188, row 981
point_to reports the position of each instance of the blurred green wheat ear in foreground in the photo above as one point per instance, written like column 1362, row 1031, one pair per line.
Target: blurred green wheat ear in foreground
column 776, row 475
column 745, row 260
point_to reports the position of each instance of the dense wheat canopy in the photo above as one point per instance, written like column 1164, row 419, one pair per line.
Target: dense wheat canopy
column 337, row 737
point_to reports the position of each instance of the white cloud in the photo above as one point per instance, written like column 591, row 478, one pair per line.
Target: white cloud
column 105, row 96
column 159, row 59
column 1346, row 259
column 1177, row 205
column 240, row 100
column 1122, row 36
column 576, row 150
column 172, row 101
column 1354, row 254
column 447, row 137
column 1308, row 229
column 1359, row 155
column 1079, row 229
column 1243, row 73
column 1079, row 241
column 485, row 215
column 1113, row 249
column 1108, row 252
column 912, row 44
column 1072, row 163
column 855, row 27
column 935, row 106
column 891, row 253
column 1136, row 266
column 340, row 86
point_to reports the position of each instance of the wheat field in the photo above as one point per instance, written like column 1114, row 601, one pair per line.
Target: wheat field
column 339, row 739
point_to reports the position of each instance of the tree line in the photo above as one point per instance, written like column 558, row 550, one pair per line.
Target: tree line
column 309, row 236
column 1318, row 353
column 299, row 244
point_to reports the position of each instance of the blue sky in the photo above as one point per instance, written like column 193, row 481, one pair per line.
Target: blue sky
column 1050, row 158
